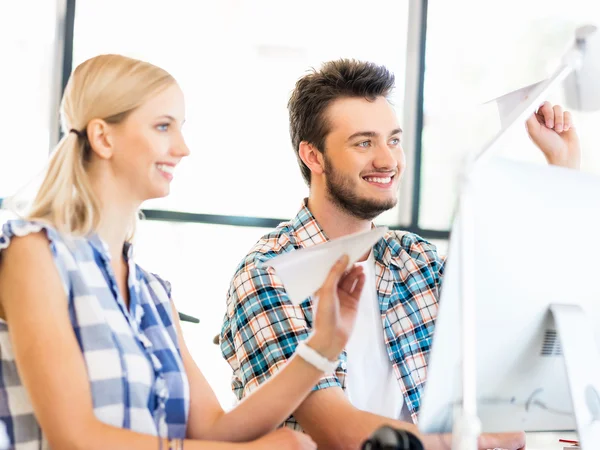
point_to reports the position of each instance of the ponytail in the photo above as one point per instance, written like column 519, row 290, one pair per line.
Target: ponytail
column 65, row 198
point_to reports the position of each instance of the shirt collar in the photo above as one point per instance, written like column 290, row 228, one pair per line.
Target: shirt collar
column 308, row 232
column 102, row 248
column 388, row 250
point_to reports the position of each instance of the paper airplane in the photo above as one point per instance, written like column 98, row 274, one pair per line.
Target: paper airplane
column 508, row 102
column 303, row 271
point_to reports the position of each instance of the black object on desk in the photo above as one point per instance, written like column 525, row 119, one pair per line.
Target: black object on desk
column 388, row 438
column 185, row 318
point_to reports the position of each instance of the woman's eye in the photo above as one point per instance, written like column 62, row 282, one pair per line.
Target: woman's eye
column 162, row 127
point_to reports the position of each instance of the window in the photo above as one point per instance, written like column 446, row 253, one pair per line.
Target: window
column 510, row 45
column 237, row 63
column 26, row 80
column 4, row 217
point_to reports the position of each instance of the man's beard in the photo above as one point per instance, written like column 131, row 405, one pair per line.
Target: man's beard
column 341, row 192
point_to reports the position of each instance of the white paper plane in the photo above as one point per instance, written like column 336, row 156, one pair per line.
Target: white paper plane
column 508, row 102
column 303, row 271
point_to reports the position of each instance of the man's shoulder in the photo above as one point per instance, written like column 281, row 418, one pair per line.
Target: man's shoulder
column 279, row 240
column 407, row 239
column 404, row 243
column 255, row 287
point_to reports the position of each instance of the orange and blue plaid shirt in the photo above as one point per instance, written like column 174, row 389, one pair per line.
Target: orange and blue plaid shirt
column 262, row 327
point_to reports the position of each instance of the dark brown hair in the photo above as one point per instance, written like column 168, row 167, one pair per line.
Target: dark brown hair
column 317, row 90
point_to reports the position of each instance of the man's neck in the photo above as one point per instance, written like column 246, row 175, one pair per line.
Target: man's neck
column 333, row 220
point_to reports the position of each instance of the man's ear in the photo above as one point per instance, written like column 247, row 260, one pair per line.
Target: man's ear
column 312, row 157
column 101, row 141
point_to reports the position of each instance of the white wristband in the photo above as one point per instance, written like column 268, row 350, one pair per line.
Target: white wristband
column 314, row 358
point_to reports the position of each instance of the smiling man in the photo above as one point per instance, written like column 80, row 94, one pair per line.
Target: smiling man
column 348, row 143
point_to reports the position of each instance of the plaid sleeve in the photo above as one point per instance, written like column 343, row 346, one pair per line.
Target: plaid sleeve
column 262, row 329
column 426, row 252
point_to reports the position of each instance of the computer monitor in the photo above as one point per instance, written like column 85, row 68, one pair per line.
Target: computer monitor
column 537, row 244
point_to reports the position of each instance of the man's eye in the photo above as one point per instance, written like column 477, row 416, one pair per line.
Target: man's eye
column 364, row 144
column 395, row 141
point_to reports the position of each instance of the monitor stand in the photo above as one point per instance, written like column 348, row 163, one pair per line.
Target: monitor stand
column 582, row 361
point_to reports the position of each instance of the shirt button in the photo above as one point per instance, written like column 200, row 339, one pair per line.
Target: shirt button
column 343, row 365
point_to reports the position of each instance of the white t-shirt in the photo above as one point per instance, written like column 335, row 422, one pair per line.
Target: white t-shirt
column 371, row 384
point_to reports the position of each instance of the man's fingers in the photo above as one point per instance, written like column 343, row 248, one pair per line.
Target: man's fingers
column 336, row 272
column 353, row 281
column 558, row 118
column 358, row 286
column 568, row 119
column 532, row 123
column 349, row 279
column 547, row 113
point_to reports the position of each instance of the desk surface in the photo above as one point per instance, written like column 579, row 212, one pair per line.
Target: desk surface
column 548, row 441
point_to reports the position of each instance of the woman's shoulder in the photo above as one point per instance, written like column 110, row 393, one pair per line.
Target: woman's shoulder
column 33, row 247
column 158, row 286
column 23, row 235
column 41, row 233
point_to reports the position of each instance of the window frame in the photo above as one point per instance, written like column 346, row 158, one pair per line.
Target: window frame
column 410, row 193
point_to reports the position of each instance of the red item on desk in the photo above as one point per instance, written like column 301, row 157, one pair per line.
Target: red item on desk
column 569, row 441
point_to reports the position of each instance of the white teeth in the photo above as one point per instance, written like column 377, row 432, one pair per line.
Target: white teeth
column 166, row 168
column 385, row 180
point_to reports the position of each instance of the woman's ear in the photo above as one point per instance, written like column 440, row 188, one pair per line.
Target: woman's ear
column 101, row 141
column 312, row 157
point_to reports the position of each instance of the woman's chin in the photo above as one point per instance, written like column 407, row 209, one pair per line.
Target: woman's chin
column 158, row 193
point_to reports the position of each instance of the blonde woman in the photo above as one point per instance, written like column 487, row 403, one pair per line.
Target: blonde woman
column 91, row 348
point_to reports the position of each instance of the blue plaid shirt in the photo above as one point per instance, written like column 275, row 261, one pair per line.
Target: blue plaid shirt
column 262, row 327
column 136, row 374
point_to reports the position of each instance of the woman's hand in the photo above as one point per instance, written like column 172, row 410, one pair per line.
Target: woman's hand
column 337, row 304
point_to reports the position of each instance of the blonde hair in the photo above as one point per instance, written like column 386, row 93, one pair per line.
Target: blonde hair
column 107, row 87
